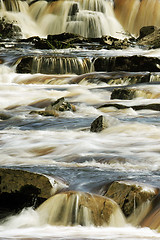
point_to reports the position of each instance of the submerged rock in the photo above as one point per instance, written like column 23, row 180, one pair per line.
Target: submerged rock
column 19, row 189
column 78, row 208
column 130, row 195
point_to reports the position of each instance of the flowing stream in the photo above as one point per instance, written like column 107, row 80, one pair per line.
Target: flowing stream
column 64, row 146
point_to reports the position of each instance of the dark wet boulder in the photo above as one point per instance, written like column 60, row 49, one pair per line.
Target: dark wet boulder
column 130, row 195
column 5, row 115
column 130, row 93
column 152, row 106
column 74, row 9
column 134, row 63
column 99, row 124
column 146, row 30
column 25, row 65
column 151, row 40
column 58, row 41
column 9, row 29
column 78, row 208
column 123, row 93
column 19, row 189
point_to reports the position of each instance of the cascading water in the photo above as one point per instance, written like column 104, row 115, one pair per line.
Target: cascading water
column 90, row 18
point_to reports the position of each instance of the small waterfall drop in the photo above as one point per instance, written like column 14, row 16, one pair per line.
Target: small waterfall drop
column 77, row 208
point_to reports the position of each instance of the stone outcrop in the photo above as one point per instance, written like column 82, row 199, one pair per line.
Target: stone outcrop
column 77, row 208
column 19, row 189
column 130, row 195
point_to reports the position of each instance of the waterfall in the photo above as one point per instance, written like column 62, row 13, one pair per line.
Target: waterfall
column 89, row 18
column 135, row 14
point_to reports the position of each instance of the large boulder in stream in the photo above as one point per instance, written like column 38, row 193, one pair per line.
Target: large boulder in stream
column 78, row 208
column 19, row 189
column 130, row 195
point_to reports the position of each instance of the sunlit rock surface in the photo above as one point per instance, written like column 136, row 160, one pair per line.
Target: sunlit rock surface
column 129, row 195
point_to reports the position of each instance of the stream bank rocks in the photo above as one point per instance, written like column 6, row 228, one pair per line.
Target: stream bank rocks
column 19, row 189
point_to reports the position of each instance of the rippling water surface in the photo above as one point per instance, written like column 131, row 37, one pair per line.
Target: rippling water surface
column 64, row 146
